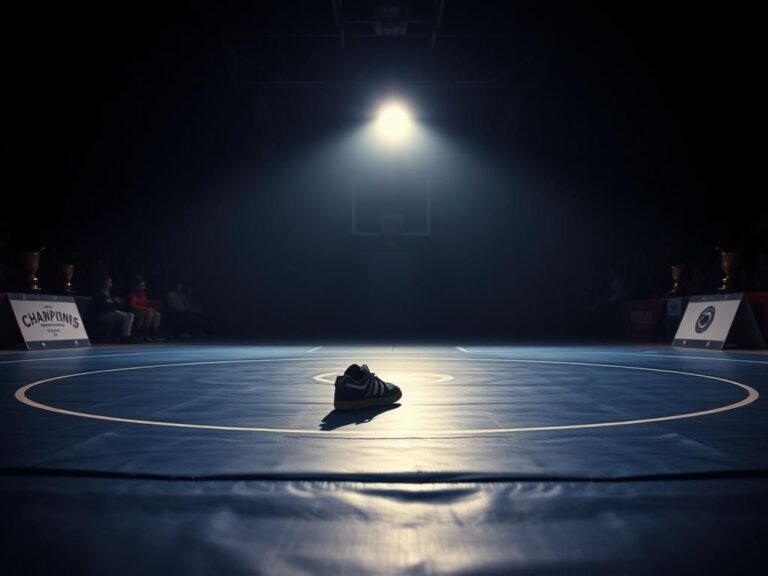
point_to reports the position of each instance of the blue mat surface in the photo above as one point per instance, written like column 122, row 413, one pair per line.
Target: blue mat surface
column 230, row 459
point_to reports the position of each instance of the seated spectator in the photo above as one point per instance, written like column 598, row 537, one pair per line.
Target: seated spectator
column 147, row 324
column 178, row 315
column 607, row 308
column 107, row 309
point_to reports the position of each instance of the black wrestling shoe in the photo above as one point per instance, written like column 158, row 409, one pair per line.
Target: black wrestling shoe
column 360, row 388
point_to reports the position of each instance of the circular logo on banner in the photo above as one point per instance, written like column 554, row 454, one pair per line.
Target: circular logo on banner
column 705, row 319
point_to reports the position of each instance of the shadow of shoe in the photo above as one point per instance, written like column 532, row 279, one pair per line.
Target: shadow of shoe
column 338, row 418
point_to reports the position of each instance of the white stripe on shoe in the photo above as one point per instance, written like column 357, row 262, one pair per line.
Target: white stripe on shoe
column 357, row 386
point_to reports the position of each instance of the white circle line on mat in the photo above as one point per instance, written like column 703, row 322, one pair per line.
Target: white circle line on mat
column 435, row 378
column 752, row 396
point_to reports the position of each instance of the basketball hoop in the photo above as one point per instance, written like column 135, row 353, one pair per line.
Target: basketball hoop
column 392, row 226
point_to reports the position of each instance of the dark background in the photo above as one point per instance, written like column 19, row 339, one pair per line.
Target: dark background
column 211, row 142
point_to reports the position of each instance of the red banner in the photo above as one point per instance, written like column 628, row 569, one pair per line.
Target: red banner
column 641, row 317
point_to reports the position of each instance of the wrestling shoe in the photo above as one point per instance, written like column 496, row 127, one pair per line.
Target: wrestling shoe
column 360, row 388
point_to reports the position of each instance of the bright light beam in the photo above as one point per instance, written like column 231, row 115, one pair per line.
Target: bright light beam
column 394, row 123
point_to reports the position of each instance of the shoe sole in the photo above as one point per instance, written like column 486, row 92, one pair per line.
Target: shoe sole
column 367, row 402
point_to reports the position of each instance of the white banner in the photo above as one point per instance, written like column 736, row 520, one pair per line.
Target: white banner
column 48, row 321
column 708, row 321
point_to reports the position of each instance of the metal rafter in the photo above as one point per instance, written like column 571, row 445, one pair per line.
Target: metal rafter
column 338, row 19
column 438, row 22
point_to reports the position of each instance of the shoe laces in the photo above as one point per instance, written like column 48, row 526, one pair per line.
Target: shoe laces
column 373, row 375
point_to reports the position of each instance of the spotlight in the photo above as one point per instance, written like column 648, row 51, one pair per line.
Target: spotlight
column 393, row 122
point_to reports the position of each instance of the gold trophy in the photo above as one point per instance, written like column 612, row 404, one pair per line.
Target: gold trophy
column 677, row 278
column 727, row 263
column 67, row 273
column 30, row 260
